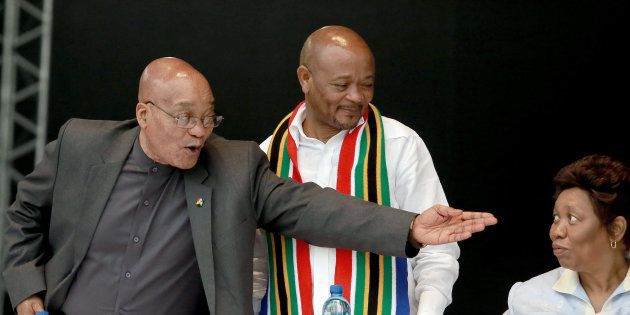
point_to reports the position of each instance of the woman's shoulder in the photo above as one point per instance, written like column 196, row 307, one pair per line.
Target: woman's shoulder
column 537, row 285
column 536, row 295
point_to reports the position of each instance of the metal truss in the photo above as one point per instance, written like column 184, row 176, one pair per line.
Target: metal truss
column 26, row 42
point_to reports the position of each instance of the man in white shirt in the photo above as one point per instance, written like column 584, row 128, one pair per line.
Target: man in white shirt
column 337, row 139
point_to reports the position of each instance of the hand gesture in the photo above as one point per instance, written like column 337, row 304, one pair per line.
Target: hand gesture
column 442, row 224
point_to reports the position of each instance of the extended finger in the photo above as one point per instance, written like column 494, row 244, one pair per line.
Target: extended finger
column 486, row 217
column 469, row 226
column 447, row 211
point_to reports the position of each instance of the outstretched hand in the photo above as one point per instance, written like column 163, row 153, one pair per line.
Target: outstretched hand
column 442, row 224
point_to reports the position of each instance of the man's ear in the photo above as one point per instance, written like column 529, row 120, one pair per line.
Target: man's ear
column 304, row 76
column 141, row 114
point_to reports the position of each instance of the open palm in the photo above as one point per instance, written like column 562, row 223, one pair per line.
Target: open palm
column 442, row 224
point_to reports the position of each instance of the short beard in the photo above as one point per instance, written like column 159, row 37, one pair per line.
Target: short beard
column 339, row 125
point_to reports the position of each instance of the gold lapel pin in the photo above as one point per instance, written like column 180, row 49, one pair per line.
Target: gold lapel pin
column 199, row 202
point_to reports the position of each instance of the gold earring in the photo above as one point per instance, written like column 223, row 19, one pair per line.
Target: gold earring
column 613, row 244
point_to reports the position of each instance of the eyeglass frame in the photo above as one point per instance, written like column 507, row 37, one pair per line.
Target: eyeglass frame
column 215, row 120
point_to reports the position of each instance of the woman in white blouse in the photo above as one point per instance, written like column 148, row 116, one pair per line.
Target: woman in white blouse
column 590, row 237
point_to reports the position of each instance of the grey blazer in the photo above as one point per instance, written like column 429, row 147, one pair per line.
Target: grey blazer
column 58, row 206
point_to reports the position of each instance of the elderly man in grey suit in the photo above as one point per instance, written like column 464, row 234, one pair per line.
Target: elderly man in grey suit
column 156, row 216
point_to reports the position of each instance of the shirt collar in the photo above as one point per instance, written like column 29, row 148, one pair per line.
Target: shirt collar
column 297, row 131
column 139, row 158
column 625, row 284
column 569, row 283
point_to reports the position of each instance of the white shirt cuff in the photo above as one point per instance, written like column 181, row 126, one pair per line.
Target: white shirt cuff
column 432, row 303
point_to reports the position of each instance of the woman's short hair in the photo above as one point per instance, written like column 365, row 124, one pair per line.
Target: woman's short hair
column 605, row 179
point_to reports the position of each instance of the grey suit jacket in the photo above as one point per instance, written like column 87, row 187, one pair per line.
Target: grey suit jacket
column 58, row 206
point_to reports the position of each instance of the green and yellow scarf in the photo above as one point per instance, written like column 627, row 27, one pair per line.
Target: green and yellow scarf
column 372, row 283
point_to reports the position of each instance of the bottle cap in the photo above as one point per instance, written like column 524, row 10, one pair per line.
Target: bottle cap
column 336, row 289
column 41, row 313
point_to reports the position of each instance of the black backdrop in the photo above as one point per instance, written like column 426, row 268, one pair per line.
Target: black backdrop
column 502, row 92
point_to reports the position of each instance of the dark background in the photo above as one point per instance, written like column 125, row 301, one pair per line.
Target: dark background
column 504, row 93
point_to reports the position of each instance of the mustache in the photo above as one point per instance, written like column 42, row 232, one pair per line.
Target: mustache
column 358, row 108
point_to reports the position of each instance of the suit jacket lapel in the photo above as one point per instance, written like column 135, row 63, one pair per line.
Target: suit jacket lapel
column 100, row 183
column 198, row 199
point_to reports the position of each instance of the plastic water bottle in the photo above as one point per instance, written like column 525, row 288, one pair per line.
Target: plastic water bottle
column 336, row 304
column 41, row 313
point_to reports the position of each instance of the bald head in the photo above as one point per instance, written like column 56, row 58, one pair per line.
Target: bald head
column 327, row 36
column 167, row 69
column 336, row 74
column 172, row 93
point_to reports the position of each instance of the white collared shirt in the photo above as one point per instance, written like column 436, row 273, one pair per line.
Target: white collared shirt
column 559, row 292
column 414, row 186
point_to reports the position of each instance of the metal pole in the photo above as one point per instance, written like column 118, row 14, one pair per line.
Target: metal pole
column 44, row 77
column 6, row 118
column 13, row 95
column 8, row 107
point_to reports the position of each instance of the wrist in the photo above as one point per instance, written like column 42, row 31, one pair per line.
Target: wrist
column 410, row 238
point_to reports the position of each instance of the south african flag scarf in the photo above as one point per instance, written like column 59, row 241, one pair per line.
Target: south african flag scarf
column 372, row 283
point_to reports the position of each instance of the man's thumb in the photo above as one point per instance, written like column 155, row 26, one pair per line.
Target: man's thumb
column 37, row 306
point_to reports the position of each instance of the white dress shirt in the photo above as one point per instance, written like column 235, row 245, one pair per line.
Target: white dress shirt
column 413, row 185
column 559, row 292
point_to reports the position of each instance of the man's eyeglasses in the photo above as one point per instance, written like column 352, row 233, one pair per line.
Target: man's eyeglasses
column 187, row 121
